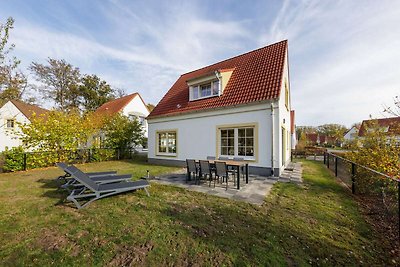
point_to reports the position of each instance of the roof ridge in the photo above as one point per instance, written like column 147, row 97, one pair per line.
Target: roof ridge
column 286, row 40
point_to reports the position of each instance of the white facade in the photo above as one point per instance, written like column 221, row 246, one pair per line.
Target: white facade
column 8, row 136
column 137, row 108
column 352, row 134
column 198, row 134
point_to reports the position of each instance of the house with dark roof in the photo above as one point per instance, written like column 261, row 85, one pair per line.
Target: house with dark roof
column 390, row 126
column 131, row 106
column 239, row 107
column 12, row 113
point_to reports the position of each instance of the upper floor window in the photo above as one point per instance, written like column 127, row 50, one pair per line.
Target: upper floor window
column 10, row 123
column 204, row 90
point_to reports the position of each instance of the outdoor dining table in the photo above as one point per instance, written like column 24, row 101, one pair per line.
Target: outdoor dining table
column 236, row 164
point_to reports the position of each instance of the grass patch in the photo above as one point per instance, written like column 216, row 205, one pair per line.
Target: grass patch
column 315, row 223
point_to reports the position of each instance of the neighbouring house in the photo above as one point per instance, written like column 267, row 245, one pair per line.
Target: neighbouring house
column 293, row 129
column 239, row 107
column 391, row 126
column 131, row 106
column 351, row 134
column 312, row 139
column 12, row 113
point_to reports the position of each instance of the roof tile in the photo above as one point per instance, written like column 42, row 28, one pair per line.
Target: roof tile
column 257, row 76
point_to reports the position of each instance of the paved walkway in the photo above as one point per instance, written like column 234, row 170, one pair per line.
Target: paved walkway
column 254, row 192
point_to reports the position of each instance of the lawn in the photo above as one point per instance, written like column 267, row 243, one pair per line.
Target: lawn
column 316, row 223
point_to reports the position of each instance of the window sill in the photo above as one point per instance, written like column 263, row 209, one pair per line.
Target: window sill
column 166, row 154
column 204, row 97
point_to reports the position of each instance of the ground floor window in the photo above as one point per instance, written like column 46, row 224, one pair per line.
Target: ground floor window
column 166, row 143
column 237, row 142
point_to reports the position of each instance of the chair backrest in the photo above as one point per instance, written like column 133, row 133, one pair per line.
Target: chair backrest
column 81, row 177
column 191, row 165
column 210, row 158
column 62, row 165
column 205, row 167
column 238, row 158
column 220, row 168
column 223, row 158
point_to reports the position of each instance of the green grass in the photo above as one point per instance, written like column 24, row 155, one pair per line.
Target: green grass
column 316, row 223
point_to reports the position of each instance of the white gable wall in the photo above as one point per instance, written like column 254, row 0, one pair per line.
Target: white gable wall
column 137, row 107
column 8, row 138
column 283, row 155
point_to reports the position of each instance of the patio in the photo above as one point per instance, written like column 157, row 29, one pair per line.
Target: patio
column 254, row 192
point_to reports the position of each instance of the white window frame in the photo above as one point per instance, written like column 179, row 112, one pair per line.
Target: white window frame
column 196, row 88
column 236, row 142
column 167, row 153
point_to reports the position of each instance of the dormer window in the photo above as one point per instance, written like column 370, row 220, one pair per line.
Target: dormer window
column 204, row 90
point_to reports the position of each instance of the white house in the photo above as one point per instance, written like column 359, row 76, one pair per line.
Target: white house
column 12, row 113
column 239, row 107
column 131, row 106
column 351, row 134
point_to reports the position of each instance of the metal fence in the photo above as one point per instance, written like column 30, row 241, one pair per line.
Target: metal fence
column 21, row 161
column 379, row 194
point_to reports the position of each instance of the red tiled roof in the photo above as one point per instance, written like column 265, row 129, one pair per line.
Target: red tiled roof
column 292, row 124
column 392, row 123
column 28, row 110
column 116, row 105
column 257, row 76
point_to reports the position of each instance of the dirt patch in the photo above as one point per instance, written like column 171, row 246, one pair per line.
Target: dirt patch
column 52, row 241
column 131, row 256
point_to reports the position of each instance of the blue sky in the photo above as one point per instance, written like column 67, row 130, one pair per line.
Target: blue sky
column 344, row 55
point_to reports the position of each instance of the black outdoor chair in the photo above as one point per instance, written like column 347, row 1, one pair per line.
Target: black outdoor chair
column 191, row 169
column 221, row 171
column 205, row 170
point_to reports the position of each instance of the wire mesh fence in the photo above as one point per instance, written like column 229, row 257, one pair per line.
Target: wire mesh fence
column 379, row 194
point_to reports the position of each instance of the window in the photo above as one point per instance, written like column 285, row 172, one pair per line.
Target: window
column 10, row 123
column 204, row 90
column 141, row 120
column 166, row 143
column 237, row 142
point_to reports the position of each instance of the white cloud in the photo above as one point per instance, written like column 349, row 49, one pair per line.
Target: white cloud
column 344, row 58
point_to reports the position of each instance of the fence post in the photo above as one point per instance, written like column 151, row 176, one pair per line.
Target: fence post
column 336, row 166
column 327, row 160
column 324, row 157
column 89, row 155
column 118, row 153
column 353, row 178
column 24, row 161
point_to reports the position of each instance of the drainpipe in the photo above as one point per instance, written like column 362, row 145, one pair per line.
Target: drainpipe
column 272, row 139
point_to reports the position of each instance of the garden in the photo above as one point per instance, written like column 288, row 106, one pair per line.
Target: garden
column 315, row 223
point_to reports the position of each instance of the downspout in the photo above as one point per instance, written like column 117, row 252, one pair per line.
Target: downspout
column 272, row 138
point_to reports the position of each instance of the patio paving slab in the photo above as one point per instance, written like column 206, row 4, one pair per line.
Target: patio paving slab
column 254, row 192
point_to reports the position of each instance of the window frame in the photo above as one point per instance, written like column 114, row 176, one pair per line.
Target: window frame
column 12, row 122
column 236, row 146
column 167, row 153
column 197, row 88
